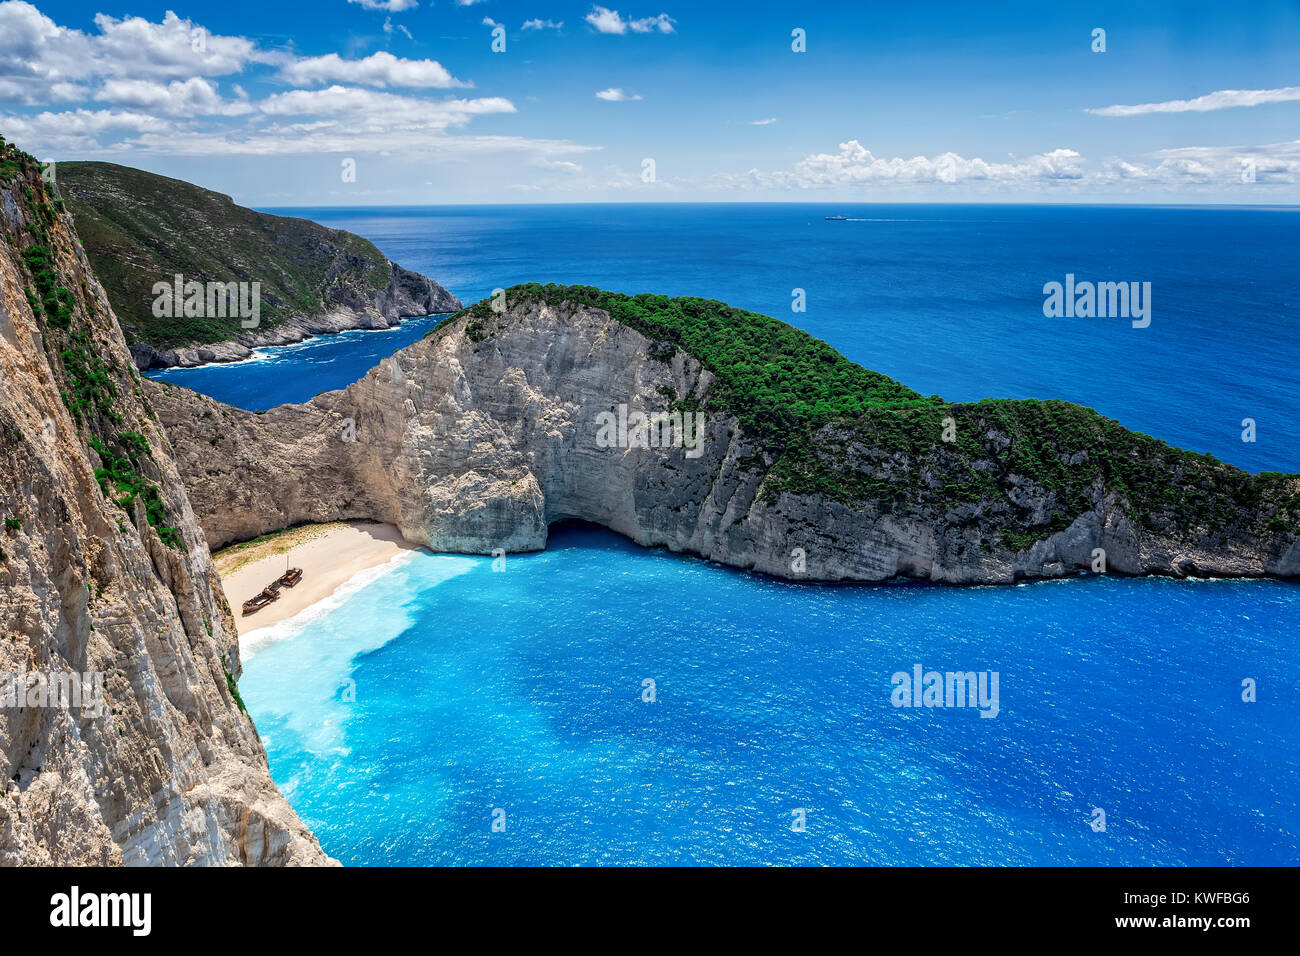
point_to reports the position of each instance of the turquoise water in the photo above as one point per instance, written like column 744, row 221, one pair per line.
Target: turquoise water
column 444, row 691
column 408, row 710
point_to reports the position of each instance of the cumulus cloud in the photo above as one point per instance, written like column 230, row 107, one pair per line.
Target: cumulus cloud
column 379, row 69
column 27, row 92
column 663, row 23
column 536, row 24
column 1185, row 168
column 137, row 86
column 616, row 95
column 853, row 164
column 605, row 20
column 1218, row 100
column 36, row 50
column 192, row 97
column 77, row 130
column 1273, row 163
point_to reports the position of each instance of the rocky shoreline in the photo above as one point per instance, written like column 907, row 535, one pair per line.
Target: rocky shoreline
column 479, row 437
column 409, row 295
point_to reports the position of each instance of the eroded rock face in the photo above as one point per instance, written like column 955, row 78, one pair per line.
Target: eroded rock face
column 172, row 772
column 472, row 441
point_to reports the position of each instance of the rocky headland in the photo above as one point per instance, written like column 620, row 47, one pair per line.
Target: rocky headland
column 807, row 466
column 139, row 229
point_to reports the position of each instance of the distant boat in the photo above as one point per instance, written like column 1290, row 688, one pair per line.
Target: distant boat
column 837, row 218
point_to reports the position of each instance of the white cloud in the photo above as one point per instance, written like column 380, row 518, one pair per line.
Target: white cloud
column 192, row 97
column 1219, row 100
column 663, row 23
column 379, row 69
column 175, row 47
column 1272, row 163
column 79, row 130
column 536, row 24
column 392, row 6
column 605, row 20
column 142, row 87
column 1193, row 168
column 616, row 95
column 369, row 109
column 321, row 138
column 42, row 62
column 854, row 164
column 559, row 165
column 389, row 27
column 763, row 122
column 28, row 92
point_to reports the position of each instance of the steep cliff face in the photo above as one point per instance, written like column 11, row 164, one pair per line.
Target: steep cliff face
column 140, row 229
column 495, row 426
column 104, row 574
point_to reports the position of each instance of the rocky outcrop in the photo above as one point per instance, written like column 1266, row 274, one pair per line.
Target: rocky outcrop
column 489, row 430
column 408, row 294
column 140, row 229
column 105, row 574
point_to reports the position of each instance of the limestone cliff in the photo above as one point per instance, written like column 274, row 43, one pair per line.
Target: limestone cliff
column 104, row 572
column 140, row 228
column 810, row 467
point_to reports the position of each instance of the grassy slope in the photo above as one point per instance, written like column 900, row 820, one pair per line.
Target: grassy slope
column 139, row 228
column 827, row 426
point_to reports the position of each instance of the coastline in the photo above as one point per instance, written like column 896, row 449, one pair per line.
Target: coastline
column 242, row 349
column 330, row 556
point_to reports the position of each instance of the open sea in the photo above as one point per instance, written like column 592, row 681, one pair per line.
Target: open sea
column 446, row 710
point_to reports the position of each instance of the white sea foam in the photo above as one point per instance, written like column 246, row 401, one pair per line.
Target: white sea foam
column 263, row 637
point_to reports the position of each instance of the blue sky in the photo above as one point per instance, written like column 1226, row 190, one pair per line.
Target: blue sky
column 1009, row 102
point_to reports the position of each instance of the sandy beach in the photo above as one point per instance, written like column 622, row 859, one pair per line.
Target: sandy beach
column 329, row 555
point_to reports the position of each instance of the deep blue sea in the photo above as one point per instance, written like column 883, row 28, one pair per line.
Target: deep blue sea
column 946, row 299
column 434, row 698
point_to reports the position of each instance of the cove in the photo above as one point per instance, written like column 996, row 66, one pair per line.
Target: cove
column 399, row 724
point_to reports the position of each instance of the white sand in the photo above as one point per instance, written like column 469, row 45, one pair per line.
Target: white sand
column 329, row 555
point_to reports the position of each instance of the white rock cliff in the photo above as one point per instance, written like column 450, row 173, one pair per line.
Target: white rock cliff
column 471, row 441
column 173, row 771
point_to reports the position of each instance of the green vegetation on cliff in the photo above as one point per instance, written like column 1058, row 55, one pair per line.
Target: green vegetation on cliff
column 89, row 380
column 775, row 376
column 824, row 425
column 139, row 228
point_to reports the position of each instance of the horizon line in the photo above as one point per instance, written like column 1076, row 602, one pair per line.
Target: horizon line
column 792, row 202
